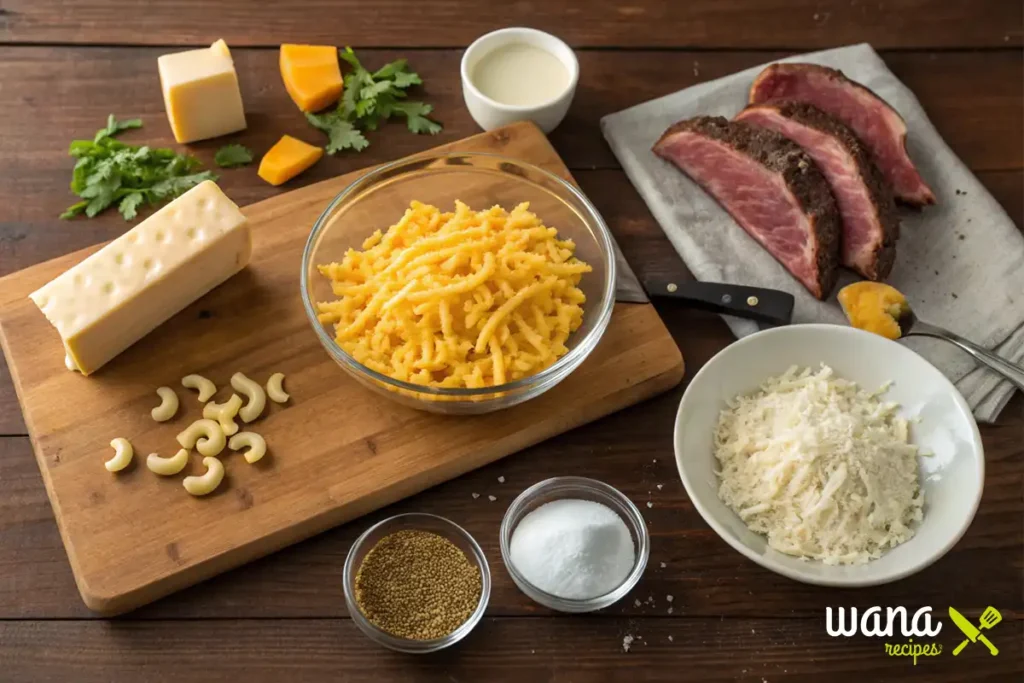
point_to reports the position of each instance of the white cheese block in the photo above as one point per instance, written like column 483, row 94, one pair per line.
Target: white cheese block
column 122, row 292
column 201, row 93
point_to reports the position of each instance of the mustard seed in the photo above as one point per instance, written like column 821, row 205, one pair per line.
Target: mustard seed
column 418, row 585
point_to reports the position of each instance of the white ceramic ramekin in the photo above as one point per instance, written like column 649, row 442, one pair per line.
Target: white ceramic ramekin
column 490, row 114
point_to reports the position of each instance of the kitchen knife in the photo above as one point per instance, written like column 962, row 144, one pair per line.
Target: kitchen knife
column 971, row 631
column 767, row 306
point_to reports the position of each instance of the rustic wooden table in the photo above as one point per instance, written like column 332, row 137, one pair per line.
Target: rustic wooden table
column 702, row 612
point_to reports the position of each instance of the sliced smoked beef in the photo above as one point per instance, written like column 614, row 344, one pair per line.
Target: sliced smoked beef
column 879, row 126
column 866, row 205
column 771, row 188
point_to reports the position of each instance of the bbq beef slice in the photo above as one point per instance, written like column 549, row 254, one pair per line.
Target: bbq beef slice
column 771, row 188
column 866, row 205
column 879, row 126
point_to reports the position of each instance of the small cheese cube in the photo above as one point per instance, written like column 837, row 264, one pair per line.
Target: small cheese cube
column 311, row 75
column 201, row 93
column 286, row 159
column 126, row 289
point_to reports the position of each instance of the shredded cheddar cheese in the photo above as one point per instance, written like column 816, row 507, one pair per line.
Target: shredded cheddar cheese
column 463, row 299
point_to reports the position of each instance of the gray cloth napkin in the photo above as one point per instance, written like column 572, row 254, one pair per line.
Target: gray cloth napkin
column 960, row 262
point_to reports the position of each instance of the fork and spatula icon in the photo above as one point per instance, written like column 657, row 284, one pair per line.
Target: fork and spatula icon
column 989, row 618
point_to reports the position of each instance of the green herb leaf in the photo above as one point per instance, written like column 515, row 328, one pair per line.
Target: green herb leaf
column 129, row 205
column 406, row 79
column 229, row 156
column 342, row 134
column 109, row 172
column 368, row 100
column 75, row 209
column 415, row 114
column 114, row 127
column 389, row 70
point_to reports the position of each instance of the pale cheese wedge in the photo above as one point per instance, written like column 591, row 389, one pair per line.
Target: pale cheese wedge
column 122, row 292
column 201, row 93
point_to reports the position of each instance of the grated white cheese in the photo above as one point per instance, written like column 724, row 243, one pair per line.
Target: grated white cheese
column 821, row 467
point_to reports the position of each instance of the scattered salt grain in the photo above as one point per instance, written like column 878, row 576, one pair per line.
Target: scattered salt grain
column 491, row 498
column 501, row 480
column 650, row 504
column 670, row 610
column 627, row 640
column 670, row 639
column 636, row 603
column 475, row 496
column 669, row 598
column 663, row 565
column 660, row 486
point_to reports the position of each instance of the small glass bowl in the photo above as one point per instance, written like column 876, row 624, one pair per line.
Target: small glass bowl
column 559, row 488
column 378, row 199
column 421, row 522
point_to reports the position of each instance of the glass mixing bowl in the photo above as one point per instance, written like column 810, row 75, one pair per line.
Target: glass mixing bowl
column 378, row 199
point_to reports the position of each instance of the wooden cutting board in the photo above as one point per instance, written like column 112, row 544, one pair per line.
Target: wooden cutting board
column 337, row 451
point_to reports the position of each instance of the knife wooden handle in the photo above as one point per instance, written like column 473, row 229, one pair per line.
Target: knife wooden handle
column 769, row 306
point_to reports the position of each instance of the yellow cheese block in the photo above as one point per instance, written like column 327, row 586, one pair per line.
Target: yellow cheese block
column 201, row 93
column 121, row 293
column 311, row 75
column 286, row 159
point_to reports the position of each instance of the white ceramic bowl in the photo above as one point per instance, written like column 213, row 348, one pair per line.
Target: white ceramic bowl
column 952, row 478
column 490, row 114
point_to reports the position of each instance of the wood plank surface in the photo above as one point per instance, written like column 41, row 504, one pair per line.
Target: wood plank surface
column 66, row 64
column 379, row 452
column 456, row 23
column 985, row 128
column 631, row 450
column 577, row 649
column 641, row 239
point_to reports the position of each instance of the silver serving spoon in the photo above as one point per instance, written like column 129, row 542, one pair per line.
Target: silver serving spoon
column 869, row 295
column 911, row 326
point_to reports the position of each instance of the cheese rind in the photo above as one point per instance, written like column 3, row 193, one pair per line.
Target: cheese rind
column 201, row 93
column 118, row 295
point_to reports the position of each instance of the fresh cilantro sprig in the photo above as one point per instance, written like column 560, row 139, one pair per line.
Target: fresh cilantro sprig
column 230, row 156
column 111, row 172
column 368, row 100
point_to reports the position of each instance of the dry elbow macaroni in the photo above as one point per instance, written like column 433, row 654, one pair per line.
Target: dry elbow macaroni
column 463, row 299
column 209, row 434
column 123, row 453
column 254, row 392
column 224, row 413
column 213, row 440
column 255, row 444
column 205, row 387
column 207, row 482
column 275, row 388
column 166, row 467
column 168, row 405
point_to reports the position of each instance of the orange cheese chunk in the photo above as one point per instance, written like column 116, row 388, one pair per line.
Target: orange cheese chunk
column 311, row 75
column 286, row 159
column 874, row 307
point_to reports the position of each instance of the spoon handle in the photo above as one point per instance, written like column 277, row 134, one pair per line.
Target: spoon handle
column 1014, row 373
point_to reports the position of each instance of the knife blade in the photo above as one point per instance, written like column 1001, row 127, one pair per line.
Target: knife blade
column 627, row 287
column 964, row 624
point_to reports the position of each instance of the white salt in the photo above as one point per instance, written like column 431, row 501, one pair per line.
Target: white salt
column 575, row 549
